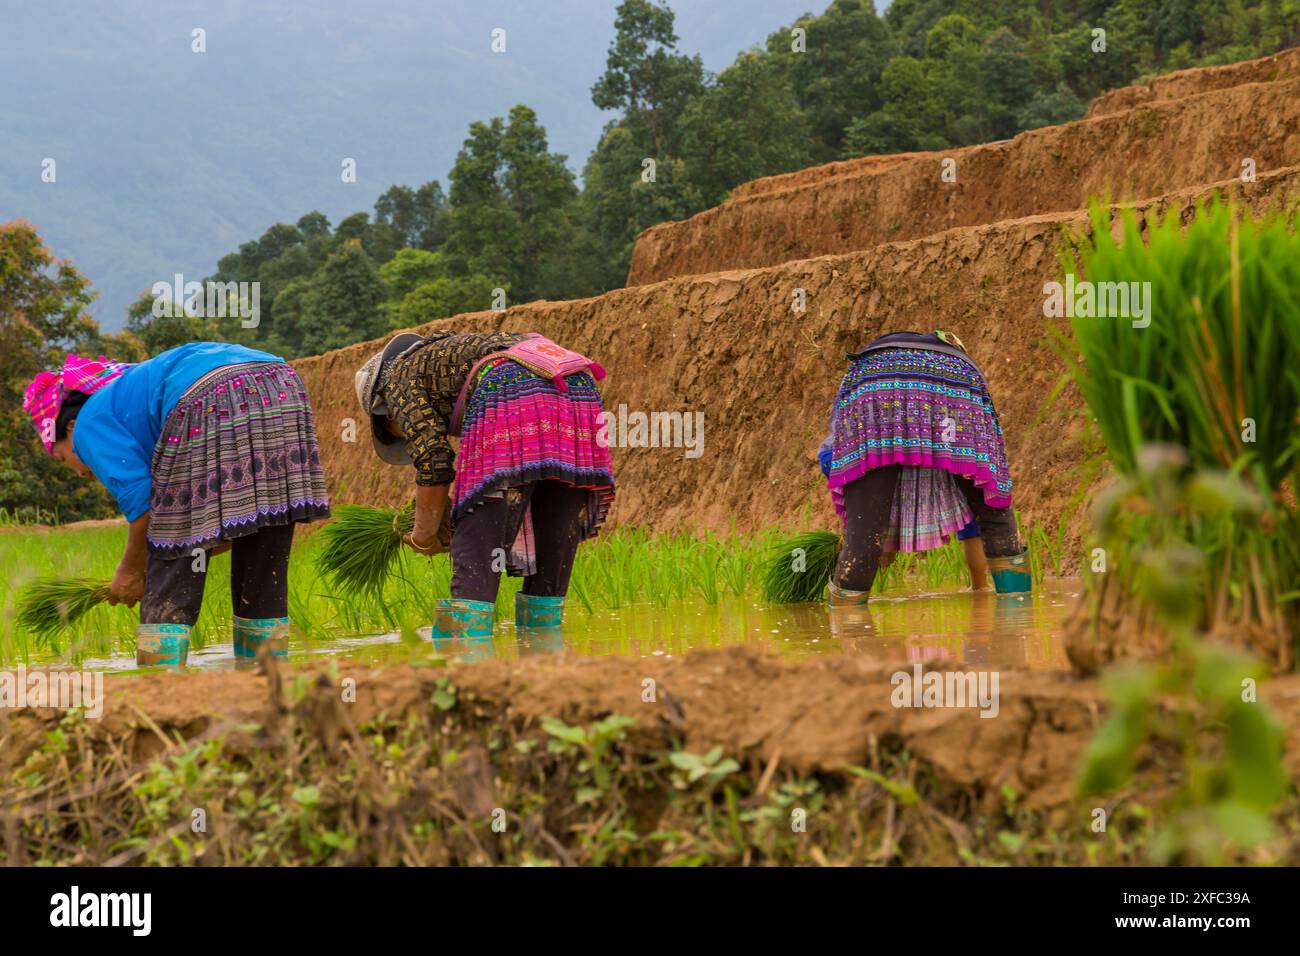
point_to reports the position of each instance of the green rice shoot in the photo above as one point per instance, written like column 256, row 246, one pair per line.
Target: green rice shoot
column 621, row 568
column 798, row 568
column 360, row 545
column 50, row 605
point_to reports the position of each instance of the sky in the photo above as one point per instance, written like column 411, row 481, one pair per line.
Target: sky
column 166, row 159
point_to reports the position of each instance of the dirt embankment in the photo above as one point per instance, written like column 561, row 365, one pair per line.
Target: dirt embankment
column 424, row 765
column 748, row 702
column 816, row 174
column 1147, row 151
column 1171, row 86
column 728, row 345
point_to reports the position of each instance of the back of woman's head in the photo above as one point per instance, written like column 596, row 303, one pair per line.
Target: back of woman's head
column 69, row 409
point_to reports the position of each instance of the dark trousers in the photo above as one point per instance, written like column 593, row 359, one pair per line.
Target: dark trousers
column 483, row 537
column 259, row 580
column 868, row 503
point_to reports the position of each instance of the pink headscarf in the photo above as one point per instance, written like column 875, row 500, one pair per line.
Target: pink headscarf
column 44, row 397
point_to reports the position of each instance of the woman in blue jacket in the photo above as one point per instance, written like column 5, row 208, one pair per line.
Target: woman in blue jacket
column 204, row 446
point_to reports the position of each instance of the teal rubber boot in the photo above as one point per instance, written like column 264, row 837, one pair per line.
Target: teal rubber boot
column 535, row 610
column 465, row 621
column 252, row 632
column 461, row 618
column 1011, row 574
column 162, row 645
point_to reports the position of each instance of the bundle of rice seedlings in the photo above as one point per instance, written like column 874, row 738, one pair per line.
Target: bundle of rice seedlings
column 52, row 604
column 361, row 544
column 798, row 568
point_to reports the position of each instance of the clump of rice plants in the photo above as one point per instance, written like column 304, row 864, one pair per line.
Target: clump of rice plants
column 360, row 546
column 48, row 606
column 798, row 568
column 1209, row 367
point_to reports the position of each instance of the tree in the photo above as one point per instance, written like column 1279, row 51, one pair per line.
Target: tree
column 1007, row 78
column 748, row 124
column 158, row 333
column 511, row 205
column 644, row 76
column 619, row 201
column 344, row 302
column 314, row 225
column 409, row 269
column 444, row 297
column 418, row 217
column 836, row 78
column 42, row 318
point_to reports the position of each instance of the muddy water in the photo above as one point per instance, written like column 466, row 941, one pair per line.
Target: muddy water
column 953, row 627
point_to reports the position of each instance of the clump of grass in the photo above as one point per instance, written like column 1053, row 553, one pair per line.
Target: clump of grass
column 360, row 545
column 52, row 604
column 798, row 568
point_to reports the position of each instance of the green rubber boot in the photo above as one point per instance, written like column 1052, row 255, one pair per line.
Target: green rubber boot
column 462, row 621
column 1011, row 574
column 461, row 618
column 162, row 645
column 252, row 632
column 535, row 610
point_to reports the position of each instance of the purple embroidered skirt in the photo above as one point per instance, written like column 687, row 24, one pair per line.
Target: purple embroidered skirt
column 922, row 409
column 237, row 453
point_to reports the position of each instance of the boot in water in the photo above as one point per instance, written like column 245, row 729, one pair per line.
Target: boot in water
column 459, row 623
column 537, row 610
column 462, row 618
column 837, row 597
column 162, row 645
column 850, row 615
column 252, row 632
column 1011, row 574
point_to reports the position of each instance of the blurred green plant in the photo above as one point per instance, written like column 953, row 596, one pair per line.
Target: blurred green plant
column 1201, row 702
column 1213, row 373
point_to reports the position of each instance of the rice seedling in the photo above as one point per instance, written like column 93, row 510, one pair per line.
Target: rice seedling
column 799, row 567
column 48, row 606
column 627, row 566
column 360, row 546
column 1213, row 373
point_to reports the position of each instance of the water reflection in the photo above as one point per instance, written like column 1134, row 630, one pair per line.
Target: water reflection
column 953, row 627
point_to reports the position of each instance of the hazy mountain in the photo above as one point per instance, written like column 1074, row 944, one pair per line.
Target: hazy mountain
column 168, row 159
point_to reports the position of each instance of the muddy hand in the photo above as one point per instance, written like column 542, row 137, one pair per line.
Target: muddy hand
column 127, row 586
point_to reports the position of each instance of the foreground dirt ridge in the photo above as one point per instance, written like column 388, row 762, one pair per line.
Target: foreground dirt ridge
column 1157, row 146
column 752, row 704
column 729, row 346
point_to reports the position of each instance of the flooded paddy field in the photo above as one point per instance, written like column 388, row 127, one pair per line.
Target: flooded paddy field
column 633, row 595
column 940, row 628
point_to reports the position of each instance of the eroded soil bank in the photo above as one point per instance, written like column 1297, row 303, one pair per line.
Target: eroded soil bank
column 468, row 764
